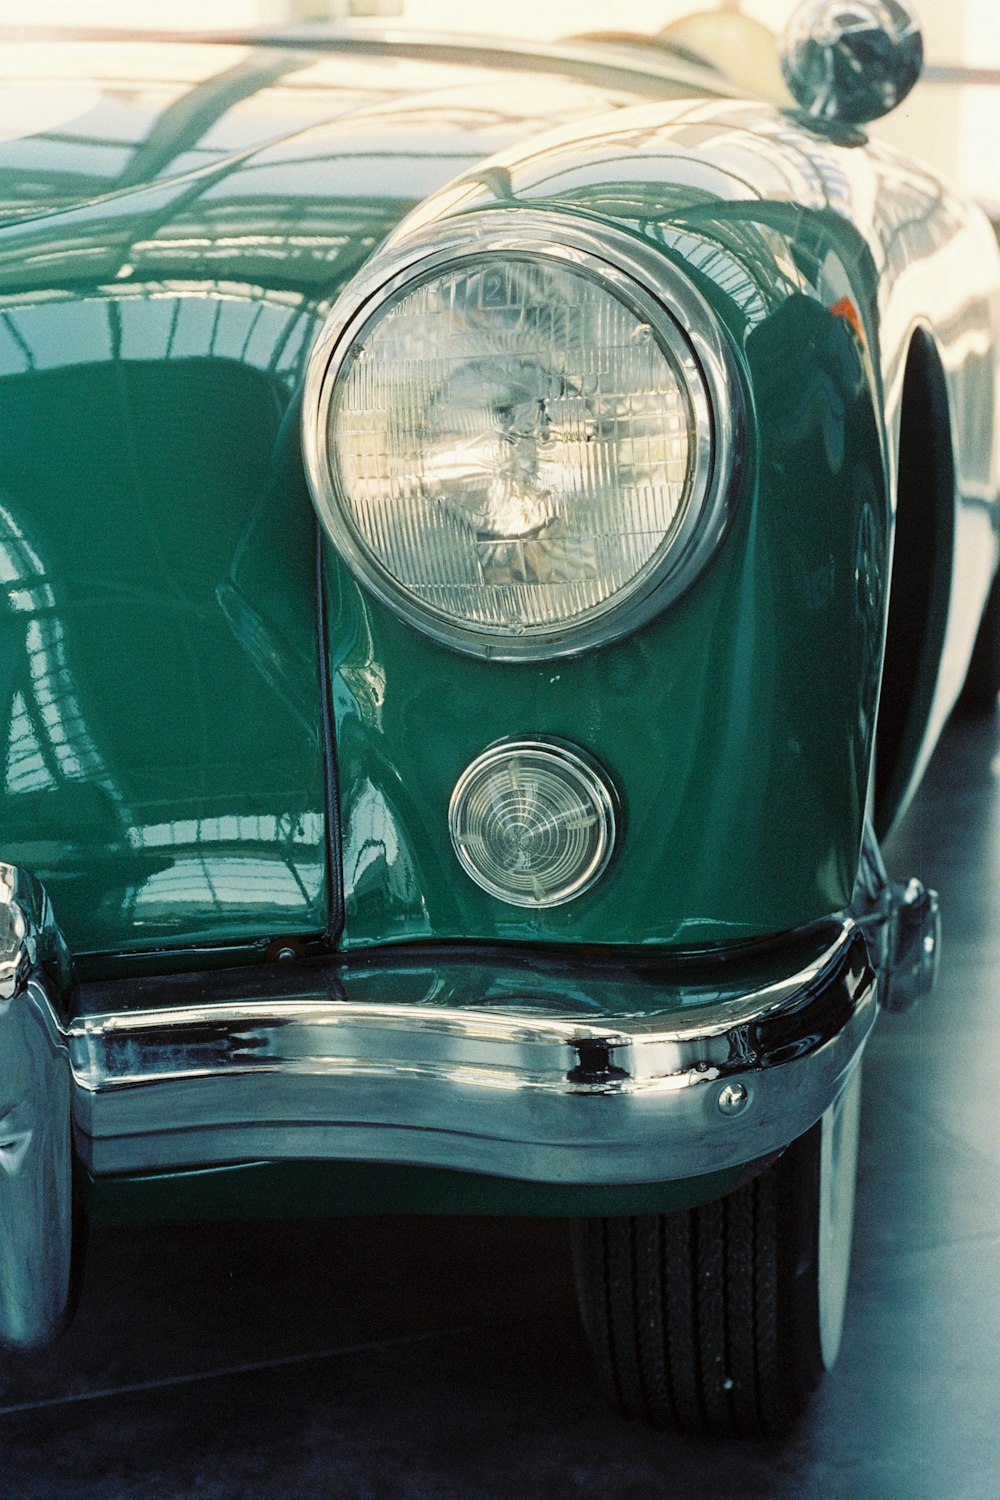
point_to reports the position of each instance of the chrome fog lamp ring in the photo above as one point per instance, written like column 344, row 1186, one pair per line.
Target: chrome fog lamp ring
column 533, row 821
column 485, row 499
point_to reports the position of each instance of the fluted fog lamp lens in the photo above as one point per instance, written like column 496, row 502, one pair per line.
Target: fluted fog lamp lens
column 512, row 448
column 533, row 823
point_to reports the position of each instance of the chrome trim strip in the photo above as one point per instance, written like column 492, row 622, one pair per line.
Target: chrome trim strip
column 37, row 1242
column 519, row 1090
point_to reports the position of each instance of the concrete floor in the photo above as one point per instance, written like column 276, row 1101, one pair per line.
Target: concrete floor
column 395, row 1358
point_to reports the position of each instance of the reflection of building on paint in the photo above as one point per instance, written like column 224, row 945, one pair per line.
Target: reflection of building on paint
column 220, row 861
column 48, row 741
column 265, row 330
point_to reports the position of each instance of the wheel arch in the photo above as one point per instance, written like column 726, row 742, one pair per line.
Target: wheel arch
column 923, row 547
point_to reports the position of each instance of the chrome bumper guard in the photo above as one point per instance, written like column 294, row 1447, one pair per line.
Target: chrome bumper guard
column 529, row 1068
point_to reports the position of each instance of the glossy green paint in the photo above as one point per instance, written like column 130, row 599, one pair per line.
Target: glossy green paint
column 169, row 250
column 737, row 727
column 157, row 780
column 170, row 244
column 160, row 288
column 284, row 1190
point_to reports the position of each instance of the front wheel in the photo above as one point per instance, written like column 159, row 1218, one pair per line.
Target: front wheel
column 721, row 1319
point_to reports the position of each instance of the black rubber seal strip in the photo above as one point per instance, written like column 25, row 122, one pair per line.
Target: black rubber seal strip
column 334, row 848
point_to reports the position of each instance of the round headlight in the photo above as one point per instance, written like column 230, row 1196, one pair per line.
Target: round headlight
column 533, row 822
column 512, row 441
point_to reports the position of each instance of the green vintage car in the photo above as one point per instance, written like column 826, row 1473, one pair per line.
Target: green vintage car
column 490, row 536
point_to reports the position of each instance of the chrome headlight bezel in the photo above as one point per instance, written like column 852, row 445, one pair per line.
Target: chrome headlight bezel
column 646, row 282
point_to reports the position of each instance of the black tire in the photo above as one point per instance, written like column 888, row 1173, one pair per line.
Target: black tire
column 722, row 1319
column 978, row 698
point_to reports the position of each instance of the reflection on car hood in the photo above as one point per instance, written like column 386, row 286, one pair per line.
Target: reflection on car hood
column 80, row 120
column 175, row 221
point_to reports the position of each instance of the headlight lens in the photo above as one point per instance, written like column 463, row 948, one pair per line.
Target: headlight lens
column 513, row 446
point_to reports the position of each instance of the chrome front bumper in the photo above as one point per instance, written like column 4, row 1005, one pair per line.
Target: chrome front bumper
column 531, row 1086
column 533, row 1068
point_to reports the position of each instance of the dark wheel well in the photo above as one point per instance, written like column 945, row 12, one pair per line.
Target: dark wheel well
column 921, row 574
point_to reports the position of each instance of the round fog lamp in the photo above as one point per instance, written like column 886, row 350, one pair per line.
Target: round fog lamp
column 533, row 822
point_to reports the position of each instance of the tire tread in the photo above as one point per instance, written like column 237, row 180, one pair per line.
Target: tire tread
column 696, row 1318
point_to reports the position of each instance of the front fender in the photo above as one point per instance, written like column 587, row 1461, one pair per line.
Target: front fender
column 738, row 725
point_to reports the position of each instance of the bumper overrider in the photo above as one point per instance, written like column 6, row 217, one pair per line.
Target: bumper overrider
column 545, row 1069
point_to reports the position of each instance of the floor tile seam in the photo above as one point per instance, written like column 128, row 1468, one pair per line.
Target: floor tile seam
column 224, row 1372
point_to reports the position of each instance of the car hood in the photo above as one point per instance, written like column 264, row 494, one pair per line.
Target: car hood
column 82, row 121
column 174, row 229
